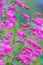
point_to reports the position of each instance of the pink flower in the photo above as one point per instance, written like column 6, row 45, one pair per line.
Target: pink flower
column 6, row 42
column 38, row 21
column 21, row 34
column 2, row 54
column 7, row 49
column 32, row 53
column 25, row 59
column 38, row 14
column 26, row 25
column 26, row 7
column 11, row 14
column 41, row 37
column 26, row 16
column 27, row 51
column 37, row 30
column 39, row 51
column 2, row 62
column 25, row 29
column 20, row 41
column 2, row 2
column 12, row 8
column 1, row 11
column 34, row 33
column 34, row 44
column 20, row 3
column 8, row 36
column 9, row 24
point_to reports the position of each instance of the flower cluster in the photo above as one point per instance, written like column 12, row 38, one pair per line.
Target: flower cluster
column 8, row 20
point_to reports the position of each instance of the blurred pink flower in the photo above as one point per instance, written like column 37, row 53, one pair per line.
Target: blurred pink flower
column 6, row 42
column 38, row 14
column 2, row 62
column 26, row 16
column 38, row 21
column 1, row 11
column 20, row 3
column 12, row 8
column 21, row 34
column 8, row 35
column 9, row 24
column 25, row 59
column 34, row 44
column 7, row 49
column 27, row 51
column 26, row 7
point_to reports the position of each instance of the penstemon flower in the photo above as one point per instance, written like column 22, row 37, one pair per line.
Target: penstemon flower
column 26, row 16
column 38, row 14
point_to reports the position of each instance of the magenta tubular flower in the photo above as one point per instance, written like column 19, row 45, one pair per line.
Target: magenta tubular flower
column 25, row 26
column 8, row 36
column 25, row 59
column 20, row 41
column 38, row 21
column 2, row 62
column 2, row 54
column 34, row 44
column 28, row 24
column 39, row 51
column 26, row 7
column 2, row 3
column 40, row 37
column 7, row 49
column 39, row 33
column 38, row 14
column 34, row 55
column 31, row 53
column 1, row 11
column 27, row 51
column 9, row 24
column 11, row 14
column 6, row 42
column 26, row 16
column 12, row 8
column 20, row 3
column 34, row 33
column 25, row 29
column 37, row 30
column 21, row 34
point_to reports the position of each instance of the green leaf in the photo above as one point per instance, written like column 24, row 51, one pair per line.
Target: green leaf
column 18, row 62
column 8, row 63
column 17, row 48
